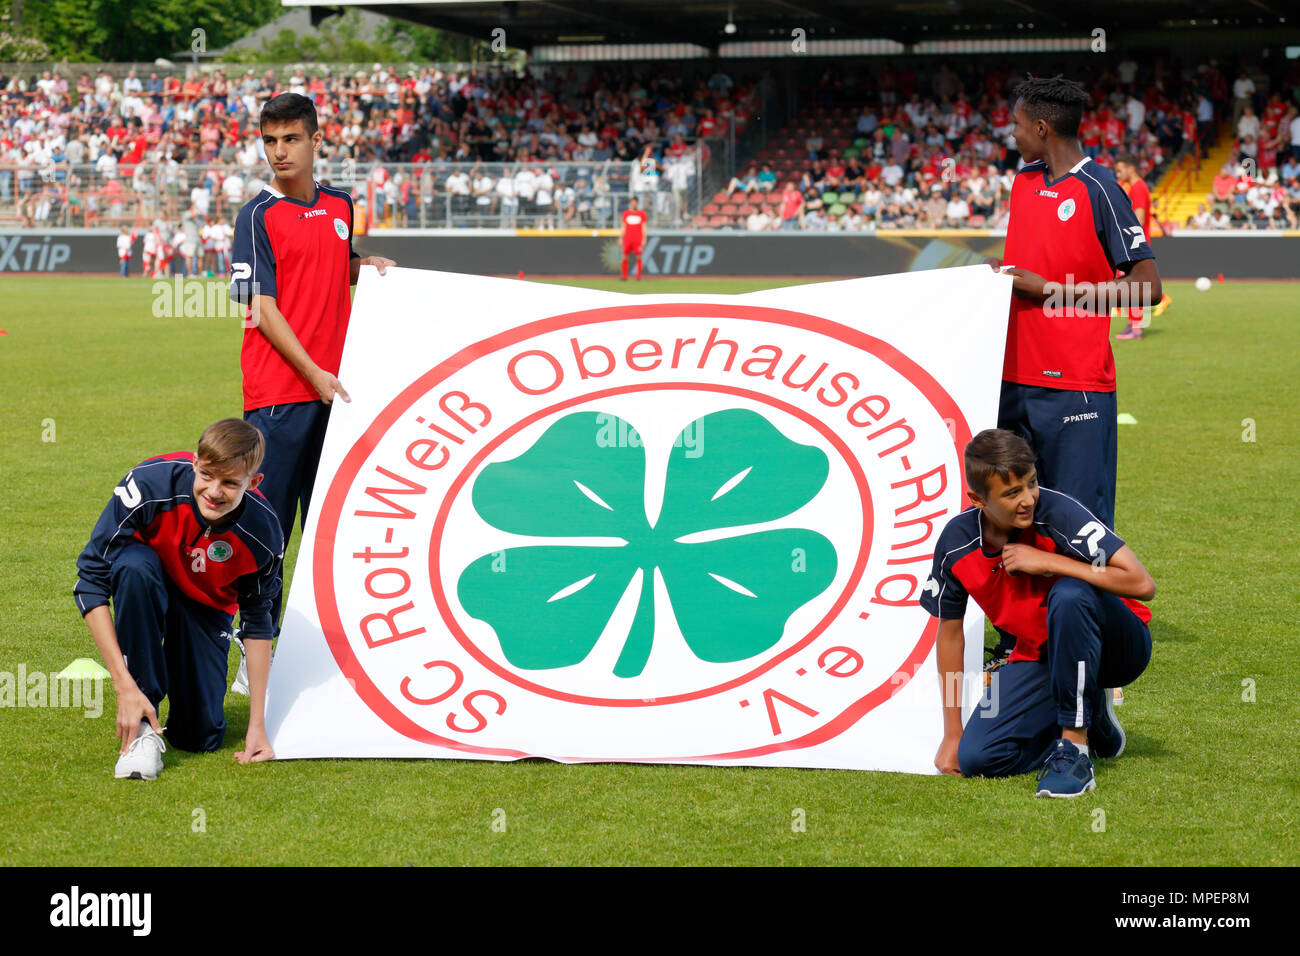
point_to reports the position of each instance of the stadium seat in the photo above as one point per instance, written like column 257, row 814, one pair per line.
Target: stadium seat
column 838, row 209
column 830, row 198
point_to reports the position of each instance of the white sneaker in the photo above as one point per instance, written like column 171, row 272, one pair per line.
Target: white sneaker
column 143, row 759
column 240, row 685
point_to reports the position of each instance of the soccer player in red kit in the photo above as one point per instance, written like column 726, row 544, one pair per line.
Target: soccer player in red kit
column 632, row 233
column 1126, row 172
column 292, row 265
column 1071, row 231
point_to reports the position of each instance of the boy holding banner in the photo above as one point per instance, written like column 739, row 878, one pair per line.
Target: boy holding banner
column 292, row 265
column 184, row 542
column 1048, row 573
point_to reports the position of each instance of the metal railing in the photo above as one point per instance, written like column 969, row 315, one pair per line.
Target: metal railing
column 435, row 194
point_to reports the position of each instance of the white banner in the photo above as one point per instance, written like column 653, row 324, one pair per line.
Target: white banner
column 584, row 525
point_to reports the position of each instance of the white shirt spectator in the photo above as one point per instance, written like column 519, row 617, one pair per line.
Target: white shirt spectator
column 233, row 188
column 458, row 183
column 201, row 199
column 1137, row 113
column 1295, row 133
column 892, row 175
column 251, row 154
column 545, row 188
column 1127, row 70
column 679, row 174
column 1220, row 220
column 958, row 209
column 758, row 221
column 222, row 233
column 107, row 165
column 525, row 184
column 1244, row 88
column 1248, row 125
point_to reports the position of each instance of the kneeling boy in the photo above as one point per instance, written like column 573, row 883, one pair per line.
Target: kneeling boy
column 1045, row 570
column 183, row 543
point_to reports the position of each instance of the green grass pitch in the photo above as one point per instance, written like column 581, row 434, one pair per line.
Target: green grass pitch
column 1207, row 498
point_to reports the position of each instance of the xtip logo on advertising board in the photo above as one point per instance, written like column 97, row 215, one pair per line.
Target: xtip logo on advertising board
column 664, row 256
column 19, row 255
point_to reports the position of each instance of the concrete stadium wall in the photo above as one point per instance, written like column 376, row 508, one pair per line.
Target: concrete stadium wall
column 1237, row 256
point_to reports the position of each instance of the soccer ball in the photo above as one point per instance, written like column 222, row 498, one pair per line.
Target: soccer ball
column 1202, row 284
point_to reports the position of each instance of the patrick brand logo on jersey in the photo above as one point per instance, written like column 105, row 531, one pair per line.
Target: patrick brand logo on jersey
column 219, row 551
column 308, row 215
column 1049, row 193
column 1065, row 210
column 341, row 228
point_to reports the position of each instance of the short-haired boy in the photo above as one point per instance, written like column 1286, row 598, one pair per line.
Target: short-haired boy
column 292, row 265
column 1047, row 571
column 185, row 541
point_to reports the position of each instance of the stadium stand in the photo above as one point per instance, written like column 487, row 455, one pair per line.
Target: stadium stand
column 912, row 145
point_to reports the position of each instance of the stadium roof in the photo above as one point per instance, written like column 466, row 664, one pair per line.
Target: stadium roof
column 532, row 23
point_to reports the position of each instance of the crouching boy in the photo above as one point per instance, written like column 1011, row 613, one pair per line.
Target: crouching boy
column 1047, row 571
column 184, row 542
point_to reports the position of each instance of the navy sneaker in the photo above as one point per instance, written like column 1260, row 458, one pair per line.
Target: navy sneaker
column 1066, row 772
column 1105, row 736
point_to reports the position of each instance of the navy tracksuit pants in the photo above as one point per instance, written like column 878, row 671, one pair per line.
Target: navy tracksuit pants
column 1094, row 642
column 1076, row 438
column 174, row 647
column 294, row 436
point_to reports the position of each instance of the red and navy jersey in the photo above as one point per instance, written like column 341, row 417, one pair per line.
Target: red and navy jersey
column 299, row 254
column 1139, row 197
column 1080, row 228
column 1017, row 603
column 231, row 566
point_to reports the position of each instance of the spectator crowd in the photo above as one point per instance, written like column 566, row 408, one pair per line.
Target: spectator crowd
column 116, row 137
column 874, row 146
column 935, row 150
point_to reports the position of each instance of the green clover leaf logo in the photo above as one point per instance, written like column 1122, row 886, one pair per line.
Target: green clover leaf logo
column 731, row 596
